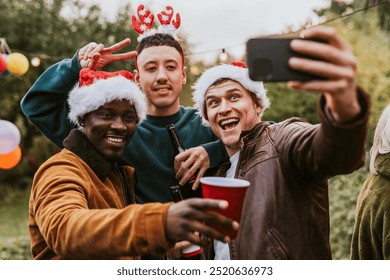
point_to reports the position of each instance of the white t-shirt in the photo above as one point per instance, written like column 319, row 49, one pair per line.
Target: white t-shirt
column 221, row 249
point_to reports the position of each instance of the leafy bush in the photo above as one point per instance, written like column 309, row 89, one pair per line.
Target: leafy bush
column 343, row 193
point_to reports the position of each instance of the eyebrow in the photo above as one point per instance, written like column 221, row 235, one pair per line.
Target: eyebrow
column 209, row 96
column 229, row 91
column 154, row 61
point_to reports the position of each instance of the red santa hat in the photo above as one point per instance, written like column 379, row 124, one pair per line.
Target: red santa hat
column 236, row 71
column 97, row 88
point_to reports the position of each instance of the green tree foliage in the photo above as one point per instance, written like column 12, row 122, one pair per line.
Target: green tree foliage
column 346, row 7
column 371, row 46
column 287, row 103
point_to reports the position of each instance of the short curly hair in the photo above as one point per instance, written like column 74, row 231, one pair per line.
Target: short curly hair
column 159, row 39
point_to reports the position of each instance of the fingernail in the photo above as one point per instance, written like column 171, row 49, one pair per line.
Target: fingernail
column 296, row 43
column 223, row 204
column 293, row 61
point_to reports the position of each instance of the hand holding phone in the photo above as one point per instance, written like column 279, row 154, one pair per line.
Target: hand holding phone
column 267, row 60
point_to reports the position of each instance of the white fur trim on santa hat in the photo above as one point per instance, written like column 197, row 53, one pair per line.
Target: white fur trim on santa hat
column 239, row 74
column 85, row 99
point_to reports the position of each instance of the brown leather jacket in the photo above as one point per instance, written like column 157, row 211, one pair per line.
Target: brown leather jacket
column 286, row 208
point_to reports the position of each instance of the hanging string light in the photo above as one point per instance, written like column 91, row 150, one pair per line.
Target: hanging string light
column 223, row 56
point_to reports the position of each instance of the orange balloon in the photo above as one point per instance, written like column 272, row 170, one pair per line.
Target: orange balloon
column 10, row 160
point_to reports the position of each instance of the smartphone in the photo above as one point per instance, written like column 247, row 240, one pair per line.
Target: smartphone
column 267, row 60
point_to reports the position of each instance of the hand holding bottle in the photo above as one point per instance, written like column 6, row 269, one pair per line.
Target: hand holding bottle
column 191, row 164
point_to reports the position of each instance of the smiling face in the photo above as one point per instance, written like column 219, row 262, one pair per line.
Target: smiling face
column 110, row 128
column 230, row 109
column 161, row 76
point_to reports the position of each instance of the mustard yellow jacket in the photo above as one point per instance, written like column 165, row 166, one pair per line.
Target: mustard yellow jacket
column 78, row 208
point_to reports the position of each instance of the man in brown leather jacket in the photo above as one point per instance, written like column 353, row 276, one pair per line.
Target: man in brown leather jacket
column 286, row 208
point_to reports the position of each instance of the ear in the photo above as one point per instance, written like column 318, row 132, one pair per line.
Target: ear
column 136, row 114
column 205, row 113
column 258, row 108
column 184, row 80
column 136, row 76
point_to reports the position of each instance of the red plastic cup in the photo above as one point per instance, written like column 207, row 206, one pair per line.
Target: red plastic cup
column 230, row 189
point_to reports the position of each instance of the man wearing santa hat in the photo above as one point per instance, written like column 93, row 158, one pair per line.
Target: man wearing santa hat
column 82, row 199
column 286, row 209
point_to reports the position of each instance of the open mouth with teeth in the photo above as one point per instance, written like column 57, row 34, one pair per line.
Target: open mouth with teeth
column 229, row 123
column 162, row 90
column 116, row 140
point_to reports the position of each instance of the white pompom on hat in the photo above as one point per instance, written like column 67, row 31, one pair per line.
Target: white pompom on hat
column 97, row 88
column 236, row 71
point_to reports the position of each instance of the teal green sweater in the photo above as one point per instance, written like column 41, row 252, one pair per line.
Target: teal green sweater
column 371, row 234
column 149, row 152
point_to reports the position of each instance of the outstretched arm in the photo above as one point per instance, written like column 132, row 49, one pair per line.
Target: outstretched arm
column 337, row 65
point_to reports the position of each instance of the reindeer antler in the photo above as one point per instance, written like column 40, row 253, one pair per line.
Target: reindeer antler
column 146, row 20
column 165, row 17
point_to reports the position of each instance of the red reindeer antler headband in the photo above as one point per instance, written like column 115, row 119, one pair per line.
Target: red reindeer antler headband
column 167, row 24
column 144, row 27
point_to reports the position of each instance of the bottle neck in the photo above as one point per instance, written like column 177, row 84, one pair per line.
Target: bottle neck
column 175, row 140
column 176, row 193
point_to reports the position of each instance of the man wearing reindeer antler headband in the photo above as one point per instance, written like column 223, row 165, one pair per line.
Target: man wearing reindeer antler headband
column 161, row 74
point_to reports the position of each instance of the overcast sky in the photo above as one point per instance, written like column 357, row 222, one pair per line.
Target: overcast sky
column 211, row 25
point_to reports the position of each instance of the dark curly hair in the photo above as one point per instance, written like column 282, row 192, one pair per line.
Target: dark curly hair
column 159, row 39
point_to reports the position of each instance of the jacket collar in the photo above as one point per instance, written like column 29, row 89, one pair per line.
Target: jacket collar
column 252, row 134
column 382, row 164
column 79, row 144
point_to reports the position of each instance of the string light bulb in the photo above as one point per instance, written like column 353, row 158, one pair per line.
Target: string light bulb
column 35, row 61
column 223, row 56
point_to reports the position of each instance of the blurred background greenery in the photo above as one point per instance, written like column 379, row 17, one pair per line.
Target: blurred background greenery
column 37, row 28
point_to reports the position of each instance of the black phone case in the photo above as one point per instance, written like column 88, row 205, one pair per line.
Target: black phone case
column 267, row 60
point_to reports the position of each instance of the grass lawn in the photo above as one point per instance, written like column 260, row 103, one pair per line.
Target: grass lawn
column 14, row 239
